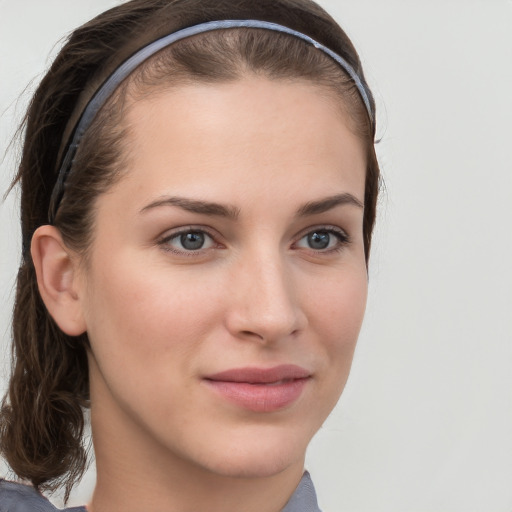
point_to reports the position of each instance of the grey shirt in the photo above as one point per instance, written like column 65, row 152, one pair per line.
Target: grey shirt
column 23, row 498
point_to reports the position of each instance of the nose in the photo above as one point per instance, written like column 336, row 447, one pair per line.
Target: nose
column 265, row 305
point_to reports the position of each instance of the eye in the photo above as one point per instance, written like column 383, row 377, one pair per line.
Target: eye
column 323, row 240
column 188, row 241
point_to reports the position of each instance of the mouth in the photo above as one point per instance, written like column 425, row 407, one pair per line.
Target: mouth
column 260, row 389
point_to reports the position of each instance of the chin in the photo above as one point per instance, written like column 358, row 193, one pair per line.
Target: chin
column 253, row 467
column 260, row 456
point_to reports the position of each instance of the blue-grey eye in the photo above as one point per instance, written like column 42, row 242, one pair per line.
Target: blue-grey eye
column 321, row 240
column 190, row 241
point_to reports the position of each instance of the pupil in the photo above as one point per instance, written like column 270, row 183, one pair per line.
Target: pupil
column 319, row 240
column 192, row 241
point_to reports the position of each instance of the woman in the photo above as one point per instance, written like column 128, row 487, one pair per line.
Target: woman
column 198, row 196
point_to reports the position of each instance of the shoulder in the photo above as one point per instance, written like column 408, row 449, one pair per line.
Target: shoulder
column 16, row 497
column 304, row 497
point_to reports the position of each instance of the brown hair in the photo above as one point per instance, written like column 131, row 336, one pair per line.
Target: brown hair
column 41, row 418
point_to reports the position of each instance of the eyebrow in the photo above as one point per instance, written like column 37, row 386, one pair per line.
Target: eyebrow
column 324, row 205
column 195, row 206
column 232, row 212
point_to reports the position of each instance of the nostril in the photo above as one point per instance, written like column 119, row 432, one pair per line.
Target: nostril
column 252, row 334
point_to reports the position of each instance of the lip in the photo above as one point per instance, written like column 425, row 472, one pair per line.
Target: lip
column 260, row 389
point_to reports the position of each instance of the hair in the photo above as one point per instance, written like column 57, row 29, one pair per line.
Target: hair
column 42, row 415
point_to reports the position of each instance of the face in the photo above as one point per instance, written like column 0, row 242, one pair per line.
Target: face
column 226, row 283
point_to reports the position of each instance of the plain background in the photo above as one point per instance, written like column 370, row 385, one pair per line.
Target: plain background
column 425, row 423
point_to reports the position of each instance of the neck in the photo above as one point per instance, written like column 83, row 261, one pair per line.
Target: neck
column 132, row 493
column 148, row 481
column 137, row 472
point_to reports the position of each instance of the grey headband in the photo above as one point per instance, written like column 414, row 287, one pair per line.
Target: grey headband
column 123, row 71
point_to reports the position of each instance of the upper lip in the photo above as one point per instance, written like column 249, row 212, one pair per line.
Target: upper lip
column 255, row 375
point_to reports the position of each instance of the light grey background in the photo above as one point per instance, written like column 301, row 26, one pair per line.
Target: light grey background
column 425, row 423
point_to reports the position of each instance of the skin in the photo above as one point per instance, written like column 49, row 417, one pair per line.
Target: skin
column 161, row 318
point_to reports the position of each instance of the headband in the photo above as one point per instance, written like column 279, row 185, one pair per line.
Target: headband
column 128, row 66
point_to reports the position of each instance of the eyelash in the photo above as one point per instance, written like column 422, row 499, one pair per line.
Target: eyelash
column 342, row 237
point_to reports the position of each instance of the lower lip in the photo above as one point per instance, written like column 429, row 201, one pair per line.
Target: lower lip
column 260, row 397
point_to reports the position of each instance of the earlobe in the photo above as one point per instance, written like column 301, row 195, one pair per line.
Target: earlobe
column 57, row 278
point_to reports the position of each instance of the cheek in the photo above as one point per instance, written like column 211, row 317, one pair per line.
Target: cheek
column 146, row 325
column 140, row 315
column 140, row 295
column 336, row 310
column 337, row 314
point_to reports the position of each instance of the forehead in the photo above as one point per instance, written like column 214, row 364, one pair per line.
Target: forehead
column 248, row 135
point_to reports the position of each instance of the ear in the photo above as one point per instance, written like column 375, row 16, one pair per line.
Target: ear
column 57, row 279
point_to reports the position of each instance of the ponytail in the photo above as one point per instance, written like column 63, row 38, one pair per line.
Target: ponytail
column 41, row 416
